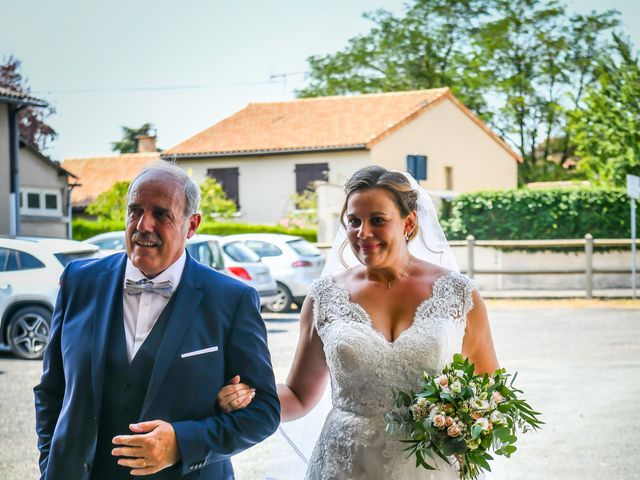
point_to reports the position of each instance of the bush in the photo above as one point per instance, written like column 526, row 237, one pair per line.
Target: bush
column 525, row 214
column 83, row 229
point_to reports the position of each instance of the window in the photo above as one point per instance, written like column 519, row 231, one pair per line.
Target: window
column 13, row 260
column 417, row 166
column 303, row 247
column 228, row 178
column 309, row 172
column 264, row 249
column 448, row 178
column 40, row 202
column 238, row 252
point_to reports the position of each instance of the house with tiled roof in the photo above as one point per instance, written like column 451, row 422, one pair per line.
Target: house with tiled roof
column 33, row 188
column 98, row 174
column 267, row 151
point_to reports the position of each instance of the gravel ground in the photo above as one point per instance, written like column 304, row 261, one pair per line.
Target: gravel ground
column 578, row 363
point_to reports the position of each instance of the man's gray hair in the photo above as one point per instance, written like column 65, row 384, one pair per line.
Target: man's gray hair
column 191, row 188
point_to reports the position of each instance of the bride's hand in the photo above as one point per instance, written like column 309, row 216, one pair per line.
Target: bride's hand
column 235, row 395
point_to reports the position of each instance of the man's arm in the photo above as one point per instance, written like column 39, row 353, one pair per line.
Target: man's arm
column 246, row 353
column 50, row 391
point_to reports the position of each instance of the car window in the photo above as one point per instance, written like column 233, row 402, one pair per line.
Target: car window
column 239, row 252
column 263, row 249
column 28, row 262
column 206, row 254
column 12, row 262
column 4, row 257
column 303, row 247
column 110, row 243
column 65, row 258
column 218, row 262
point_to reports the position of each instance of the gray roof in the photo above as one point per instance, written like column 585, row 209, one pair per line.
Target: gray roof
column 8, row 95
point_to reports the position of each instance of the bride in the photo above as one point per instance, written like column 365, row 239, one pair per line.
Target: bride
column 384, row 312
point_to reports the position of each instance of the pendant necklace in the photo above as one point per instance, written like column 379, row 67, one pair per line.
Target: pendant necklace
column 390, row 284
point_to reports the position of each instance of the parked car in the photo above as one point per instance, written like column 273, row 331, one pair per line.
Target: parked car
column 294, row 263
column 236, row 260
column 30, row 270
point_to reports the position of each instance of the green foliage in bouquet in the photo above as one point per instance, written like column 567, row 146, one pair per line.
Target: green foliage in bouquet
column 459, row 414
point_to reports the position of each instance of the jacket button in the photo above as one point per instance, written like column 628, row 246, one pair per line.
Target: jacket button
column 85, row 467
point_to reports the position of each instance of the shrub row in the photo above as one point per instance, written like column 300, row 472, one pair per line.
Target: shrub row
column 83, row 229
column 526, row 214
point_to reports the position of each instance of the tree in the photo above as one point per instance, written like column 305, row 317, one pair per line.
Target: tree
column 428, row 47
column 112, row 204
column 520, row 65
column 129, row 142
column 606, row 131
column 214, row 202
column 304, row 213
column 31, row 120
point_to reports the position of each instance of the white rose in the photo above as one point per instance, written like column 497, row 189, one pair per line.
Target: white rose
column 421, row 402
column 456, row 387
column 483, row 423
column 459, row 373
column 498, row 417
column 479, row 404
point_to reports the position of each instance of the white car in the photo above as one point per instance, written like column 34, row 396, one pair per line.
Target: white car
column 30, row 270
column 294, row 263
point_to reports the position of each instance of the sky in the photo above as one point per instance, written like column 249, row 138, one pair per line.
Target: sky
column 181, row 65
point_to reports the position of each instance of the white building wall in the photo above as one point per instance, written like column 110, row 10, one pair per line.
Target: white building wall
column 266, row 182
column 5, row 174
column 449, row 138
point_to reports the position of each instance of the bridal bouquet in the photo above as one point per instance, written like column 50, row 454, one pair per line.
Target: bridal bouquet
column 458, row 413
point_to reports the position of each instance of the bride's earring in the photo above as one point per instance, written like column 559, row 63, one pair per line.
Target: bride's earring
column 406, row 236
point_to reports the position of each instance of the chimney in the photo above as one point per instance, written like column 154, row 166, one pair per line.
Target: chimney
column 146, row 143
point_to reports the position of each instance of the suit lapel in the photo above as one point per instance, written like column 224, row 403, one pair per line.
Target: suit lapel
column 187, row 302
column 109, row 282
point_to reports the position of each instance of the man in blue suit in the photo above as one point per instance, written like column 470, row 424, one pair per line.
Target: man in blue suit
column 141, row 344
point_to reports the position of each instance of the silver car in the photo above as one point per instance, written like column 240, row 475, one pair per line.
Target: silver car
column 30, row 270
column 294, row 263
column 240, row 263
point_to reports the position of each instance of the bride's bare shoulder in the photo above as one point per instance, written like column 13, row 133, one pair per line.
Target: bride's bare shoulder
column 428, row 272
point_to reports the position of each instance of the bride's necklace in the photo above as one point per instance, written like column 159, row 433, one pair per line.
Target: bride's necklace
column 390, row 284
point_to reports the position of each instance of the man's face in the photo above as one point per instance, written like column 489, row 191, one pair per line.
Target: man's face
column 157, row 229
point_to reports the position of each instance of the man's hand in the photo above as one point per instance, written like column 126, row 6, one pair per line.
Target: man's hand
column 153, row 448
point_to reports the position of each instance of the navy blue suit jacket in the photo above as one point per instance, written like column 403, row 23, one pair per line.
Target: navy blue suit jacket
column 210, row 310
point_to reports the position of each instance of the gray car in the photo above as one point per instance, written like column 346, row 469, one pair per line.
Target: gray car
column 294, row 263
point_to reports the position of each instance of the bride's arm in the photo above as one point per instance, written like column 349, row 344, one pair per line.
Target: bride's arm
column 308, row 374
column 477, row 345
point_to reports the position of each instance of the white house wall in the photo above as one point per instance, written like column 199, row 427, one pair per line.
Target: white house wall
column 5, row 184
column 449, row 138
column 266, row 183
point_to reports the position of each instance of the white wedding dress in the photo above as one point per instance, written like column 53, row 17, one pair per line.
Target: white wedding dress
column 365, row 369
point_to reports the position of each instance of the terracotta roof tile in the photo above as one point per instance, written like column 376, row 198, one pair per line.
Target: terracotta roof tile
column 99, row 174
column 309, row 124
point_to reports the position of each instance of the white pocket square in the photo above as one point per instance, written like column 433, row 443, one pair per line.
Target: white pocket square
column 199, row 352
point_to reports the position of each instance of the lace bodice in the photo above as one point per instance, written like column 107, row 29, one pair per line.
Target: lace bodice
column 365, row 369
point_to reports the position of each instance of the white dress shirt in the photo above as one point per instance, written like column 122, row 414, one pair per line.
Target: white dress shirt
column 142, row 311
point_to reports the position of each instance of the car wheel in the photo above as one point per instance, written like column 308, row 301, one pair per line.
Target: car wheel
column 282, row 303
column 28, row 332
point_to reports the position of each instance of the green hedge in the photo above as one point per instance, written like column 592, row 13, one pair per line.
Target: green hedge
column 525, row 214
column 83, row 229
